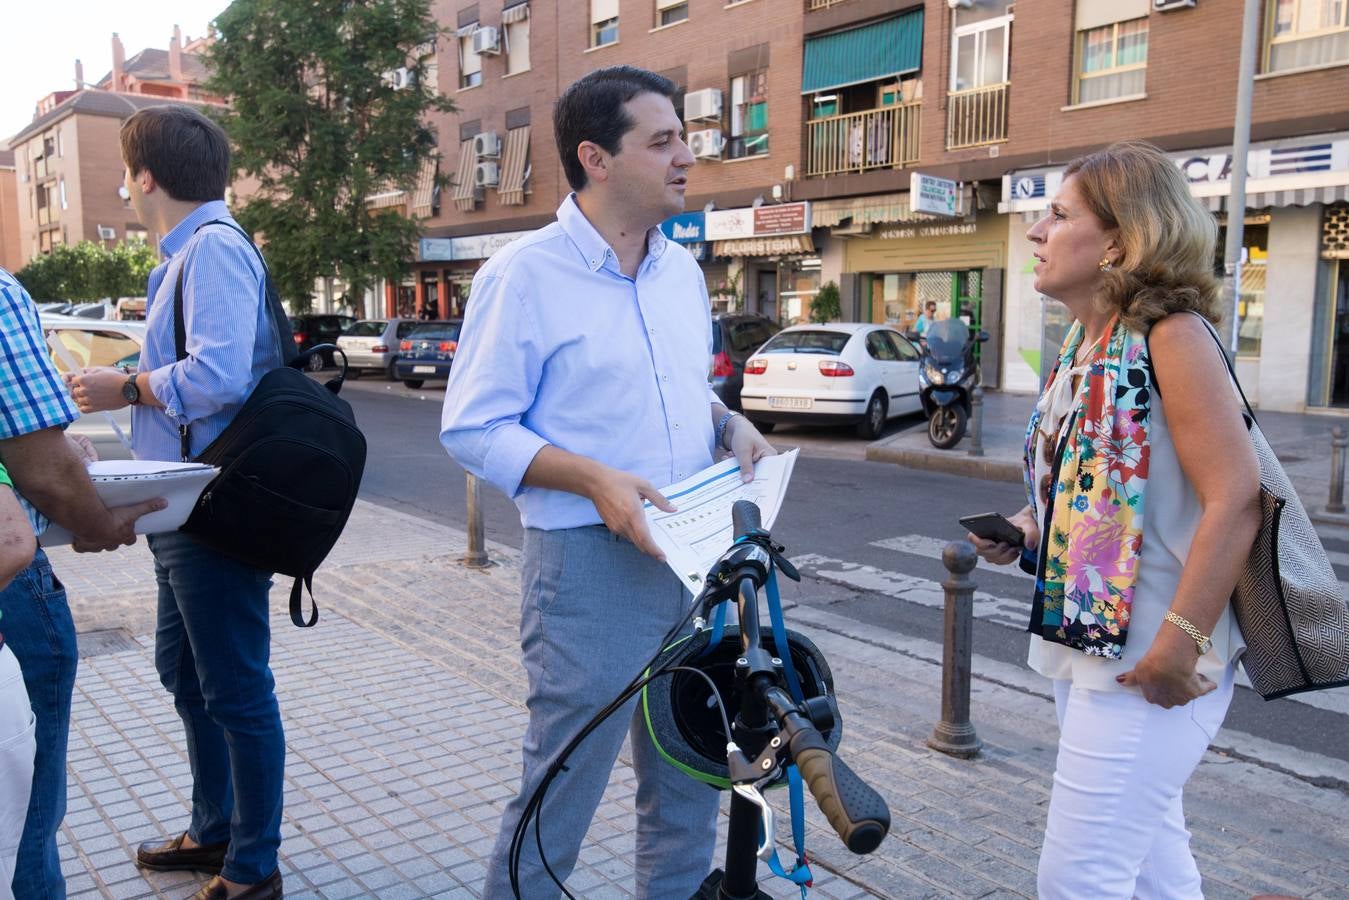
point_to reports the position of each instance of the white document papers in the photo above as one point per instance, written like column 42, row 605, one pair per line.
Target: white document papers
column 699, row 532
column 123, row 481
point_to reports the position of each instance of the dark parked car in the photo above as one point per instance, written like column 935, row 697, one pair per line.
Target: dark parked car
column 735, row 337
column 311, row 329
column 427, row 352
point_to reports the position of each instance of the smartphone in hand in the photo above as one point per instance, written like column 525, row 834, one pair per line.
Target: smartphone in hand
column 993, row 526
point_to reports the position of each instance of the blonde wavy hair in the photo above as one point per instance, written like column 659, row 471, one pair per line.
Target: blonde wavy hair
column 1166, row 237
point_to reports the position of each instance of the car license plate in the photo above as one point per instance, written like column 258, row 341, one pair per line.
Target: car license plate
column 790, row 402
column 424, row 370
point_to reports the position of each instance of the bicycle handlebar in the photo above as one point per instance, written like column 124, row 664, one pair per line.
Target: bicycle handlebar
column 744, row 518
column 853, row 808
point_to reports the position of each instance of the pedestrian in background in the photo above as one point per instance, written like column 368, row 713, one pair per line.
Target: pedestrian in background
column 52, row 484
column 213, row 637
column 1144, row 478
column 534, row 407
column 927, row 318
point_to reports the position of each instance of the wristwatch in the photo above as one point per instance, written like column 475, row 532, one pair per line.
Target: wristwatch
column 1202, row 642
column 130, row 393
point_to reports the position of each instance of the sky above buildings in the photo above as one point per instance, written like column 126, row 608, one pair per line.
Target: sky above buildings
column 38, row 49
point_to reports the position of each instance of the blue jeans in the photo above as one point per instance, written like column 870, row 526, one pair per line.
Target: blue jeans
column 38, row 629
column 212, row 647
column 593, row 612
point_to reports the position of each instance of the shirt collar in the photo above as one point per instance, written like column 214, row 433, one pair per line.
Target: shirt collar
column 172, row 242
column 592, row 244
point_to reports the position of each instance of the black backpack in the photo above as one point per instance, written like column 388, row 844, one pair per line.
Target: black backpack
column 290, row 464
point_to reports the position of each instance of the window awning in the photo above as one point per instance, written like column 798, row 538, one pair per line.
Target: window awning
column 1336, row 193
column 876, row 209
column 424, row 193
column 385, row 199
column 513, row 14
column 872, row 52
column 765, row 246
column 465, row 190
column 511, row 188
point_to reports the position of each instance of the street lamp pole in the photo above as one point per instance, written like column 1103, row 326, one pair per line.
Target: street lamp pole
column 1241, row 139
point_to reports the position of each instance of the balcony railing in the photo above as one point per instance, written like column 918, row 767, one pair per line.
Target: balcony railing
column 976, row 116
column 44, row 216
column 822, row 4
column 883, row 138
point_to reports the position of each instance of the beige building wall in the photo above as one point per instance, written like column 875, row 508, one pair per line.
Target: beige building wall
column 11, row 257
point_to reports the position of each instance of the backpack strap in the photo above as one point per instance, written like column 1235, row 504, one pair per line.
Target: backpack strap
column 1222, row 352
column 297, row 590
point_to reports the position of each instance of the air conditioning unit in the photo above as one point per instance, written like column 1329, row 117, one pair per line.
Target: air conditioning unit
column 487, row 42
column 398, row 79
column 704, row 104
column 706, row 144
column 1168, row 5
column 487, row 145
column 486, row 174
column 107, row 233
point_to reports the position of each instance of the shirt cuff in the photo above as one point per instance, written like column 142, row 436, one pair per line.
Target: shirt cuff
column 512, row 449
column 166, row 392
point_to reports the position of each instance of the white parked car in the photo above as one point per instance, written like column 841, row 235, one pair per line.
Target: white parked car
column 839, row 373
column 96, row 342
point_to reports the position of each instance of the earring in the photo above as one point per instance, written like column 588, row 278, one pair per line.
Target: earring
column 1106, row 265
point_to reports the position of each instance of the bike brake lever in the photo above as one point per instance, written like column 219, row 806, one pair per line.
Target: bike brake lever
column 767, row 824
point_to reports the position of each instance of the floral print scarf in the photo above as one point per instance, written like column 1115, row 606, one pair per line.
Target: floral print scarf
column 1091, row 540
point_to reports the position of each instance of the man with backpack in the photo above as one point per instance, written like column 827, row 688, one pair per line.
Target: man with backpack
column 213, row 637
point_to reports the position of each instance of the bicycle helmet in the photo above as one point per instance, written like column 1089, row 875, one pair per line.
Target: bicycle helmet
column 681, row 715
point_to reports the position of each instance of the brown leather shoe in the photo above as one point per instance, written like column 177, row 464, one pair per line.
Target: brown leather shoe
column 267, row 889
column 173, row 856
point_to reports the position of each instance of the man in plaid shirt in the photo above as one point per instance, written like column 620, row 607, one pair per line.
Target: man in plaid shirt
column 49, row 476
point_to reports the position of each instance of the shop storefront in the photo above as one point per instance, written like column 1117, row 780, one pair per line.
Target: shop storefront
column 1295, row 189
column 441, row 279
column 892, row 270
column 758, row 259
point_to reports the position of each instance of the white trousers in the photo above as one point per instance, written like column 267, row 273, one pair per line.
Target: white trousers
column 1116, row 826
column 17, row 746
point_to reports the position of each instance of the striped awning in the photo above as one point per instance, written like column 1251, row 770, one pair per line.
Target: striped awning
column 876, row 209
column 871, row 52
column 513, row 14
column 467, row 30
column 423, row 195
column 385, row 199
column 511, row 187
column 465, row 190
column 1336, row 193
column 778, row 245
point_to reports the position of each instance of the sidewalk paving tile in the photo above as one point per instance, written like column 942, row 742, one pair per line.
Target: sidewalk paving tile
column 404, row 713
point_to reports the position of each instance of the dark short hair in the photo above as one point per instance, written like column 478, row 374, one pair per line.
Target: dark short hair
column 187, row 153
column 591, row 109
column 931, row 304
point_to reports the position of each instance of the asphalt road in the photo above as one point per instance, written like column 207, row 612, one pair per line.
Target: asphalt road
column 868, row 537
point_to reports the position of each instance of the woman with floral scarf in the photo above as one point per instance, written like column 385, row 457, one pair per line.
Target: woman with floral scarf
column 1143, row 496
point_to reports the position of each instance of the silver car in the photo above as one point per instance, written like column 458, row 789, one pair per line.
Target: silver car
column 373, row 343
column 96, row 342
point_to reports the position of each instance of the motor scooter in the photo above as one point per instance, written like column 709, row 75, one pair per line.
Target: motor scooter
column 947, row 375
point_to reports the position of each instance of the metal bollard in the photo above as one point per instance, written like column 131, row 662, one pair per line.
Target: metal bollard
column 954, row 735
column 977, row 421
column 476, row 557
column 1338, row 443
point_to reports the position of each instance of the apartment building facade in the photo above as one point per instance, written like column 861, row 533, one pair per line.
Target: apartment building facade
column 810, row 118
column 68, row 160
column 10, row 258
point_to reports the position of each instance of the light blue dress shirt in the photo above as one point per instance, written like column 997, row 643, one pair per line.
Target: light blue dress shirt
column 560, row 347
column 231, row 341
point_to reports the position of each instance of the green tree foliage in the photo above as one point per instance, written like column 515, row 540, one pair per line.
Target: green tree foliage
column 826, row 305
column 316, row 120
column 88, row 271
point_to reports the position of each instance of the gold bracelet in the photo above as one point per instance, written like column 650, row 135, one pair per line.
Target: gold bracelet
column 1201, row 641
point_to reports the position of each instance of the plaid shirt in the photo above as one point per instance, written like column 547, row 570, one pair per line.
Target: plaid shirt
column 32, row 395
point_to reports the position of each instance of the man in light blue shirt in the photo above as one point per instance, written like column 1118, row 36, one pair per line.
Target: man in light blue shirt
column 213, row 637
column 579, row 385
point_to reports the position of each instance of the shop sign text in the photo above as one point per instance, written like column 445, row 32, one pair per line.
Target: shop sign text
column 926, row 231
